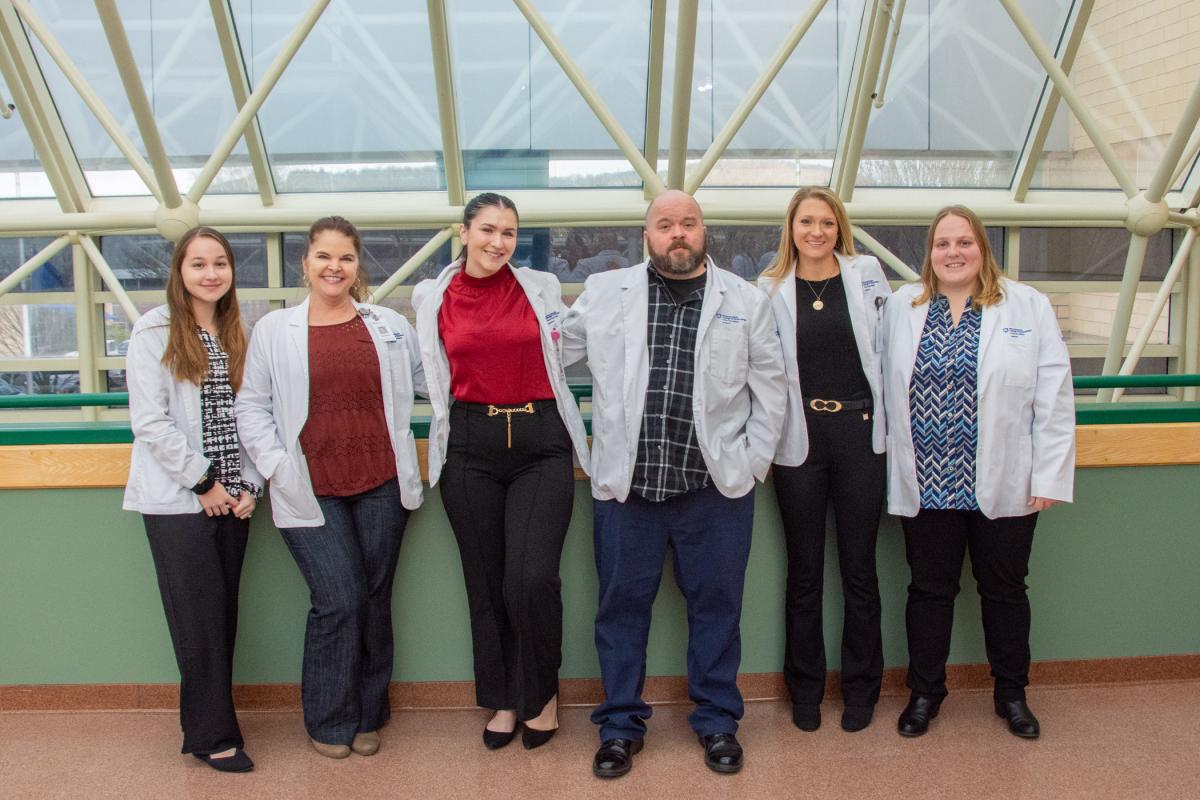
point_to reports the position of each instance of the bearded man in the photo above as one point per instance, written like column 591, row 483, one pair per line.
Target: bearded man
column 688, row 399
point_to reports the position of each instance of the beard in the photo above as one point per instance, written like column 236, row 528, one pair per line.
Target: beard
column 679, row 258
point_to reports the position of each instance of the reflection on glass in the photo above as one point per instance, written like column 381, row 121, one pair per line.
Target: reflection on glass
column 356, row 110
column 39, row 382
column 144, row 261
column 37, row 331
column 962, row 91
column 56, row 275
column 1087, row 317
column 179, row 58
column 522, row 123
column 21, row 174
column 1087, row 254
column 745, row 250
column 1135, row 70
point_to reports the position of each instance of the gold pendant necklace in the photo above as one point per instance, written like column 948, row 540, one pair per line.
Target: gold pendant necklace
column 817, row 302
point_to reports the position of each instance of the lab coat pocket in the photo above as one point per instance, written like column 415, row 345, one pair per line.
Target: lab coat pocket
column 729, row 357
column 1019, row 363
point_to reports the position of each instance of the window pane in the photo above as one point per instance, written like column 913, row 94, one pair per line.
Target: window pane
column 1087, row 317
column 1135, row 70
column 575, row 253
column 39, row 382
column 37, row 331
column 356, row 110
column 962, row 91
column 907, row 243
column 179, row 59
column 144, row 261
column 522, row 123
column 1091, row 254
column 56, row 275
column 21, row 174
column 743, row 250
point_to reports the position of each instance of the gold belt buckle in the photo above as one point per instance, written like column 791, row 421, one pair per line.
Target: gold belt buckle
column 830, row 406
column 508, row 412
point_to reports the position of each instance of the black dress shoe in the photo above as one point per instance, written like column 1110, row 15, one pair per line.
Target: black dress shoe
column 914, row 719
column 532, row 737
column 494, row 740
column 855, row 718
column 722, row 753
column 238, row 762
column 1021, row 720
column 615, row 757
column 806, row 716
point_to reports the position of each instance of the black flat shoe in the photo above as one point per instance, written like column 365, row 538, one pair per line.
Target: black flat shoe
column 494, row 740
column 615, row 757
column 855, row 718
column 914, row 719
column 806, row 716
column 722, row 753
column 1021, row 721
column 532, row 737
column 238, row 762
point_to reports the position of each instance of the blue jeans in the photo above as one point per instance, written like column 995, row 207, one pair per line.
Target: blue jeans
column 349, row 564
column 709, row 535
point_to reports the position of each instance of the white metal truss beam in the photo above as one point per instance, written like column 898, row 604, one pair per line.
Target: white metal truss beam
column 239, row 83
column 139, row 102
column 870, row 58
column 443, row 74
column 32, row 96
column 254, row 102
column 654, row 85
column 29, row 267
column 681, row 94
column 410, row 266
column 721, row 141
column 885, row 255
column 1043, row 118
column 100, row 264
column 92, row 100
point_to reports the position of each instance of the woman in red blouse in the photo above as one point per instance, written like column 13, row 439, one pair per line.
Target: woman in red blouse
column 501, row 439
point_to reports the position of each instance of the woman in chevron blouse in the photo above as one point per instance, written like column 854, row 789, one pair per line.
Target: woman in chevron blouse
column 981, row 438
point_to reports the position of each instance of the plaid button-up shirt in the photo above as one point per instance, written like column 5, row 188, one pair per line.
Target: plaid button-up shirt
column 669, row 460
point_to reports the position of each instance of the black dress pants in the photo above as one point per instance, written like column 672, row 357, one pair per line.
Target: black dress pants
column 841, row 468
column 935, row 542
column 509, row 501
column 198, row 560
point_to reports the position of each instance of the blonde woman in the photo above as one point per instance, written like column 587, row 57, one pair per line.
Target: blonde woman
column 827, row 302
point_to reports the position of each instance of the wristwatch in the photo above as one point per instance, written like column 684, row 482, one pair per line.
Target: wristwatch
column 205, row 484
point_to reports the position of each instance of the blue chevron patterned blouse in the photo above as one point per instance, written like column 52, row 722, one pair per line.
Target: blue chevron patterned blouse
column 944, row 407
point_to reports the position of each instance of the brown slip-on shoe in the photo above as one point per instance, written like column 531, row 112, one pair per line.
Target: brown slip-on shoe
column 330, row 750
column 366, row 743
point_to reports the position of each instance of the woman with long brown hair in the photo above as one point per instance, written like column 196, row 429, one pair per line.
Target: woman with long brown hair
column 192, row 482
column 827, row 301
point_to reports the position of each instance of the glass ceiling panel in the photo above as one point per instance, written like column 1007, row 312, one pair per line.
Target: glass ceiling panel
column 1137, row 65
column 21, row 174
column 790, row 136
column 522, row 123
column 963, row 89
column 179, row 59
column 356, row 109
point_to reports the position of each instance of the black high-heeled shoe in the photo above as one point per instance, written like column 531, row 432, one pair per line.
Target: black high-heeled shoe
column 494, row 740
column 532, row 737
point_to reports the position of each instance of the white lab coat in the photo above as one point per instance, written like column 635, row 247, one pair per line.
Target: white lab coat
column 168, row 449
column 273, row 406
column 545, row 297
column 1026, row 403
column 739, row 392
column 866, row 290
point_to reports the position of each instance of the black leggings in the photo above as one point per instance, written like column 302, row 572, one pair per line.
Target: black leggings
column 841, row 467
column 510, row 507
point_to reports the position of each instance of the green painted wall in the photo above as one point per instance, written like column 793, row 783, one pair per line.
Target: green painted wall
column 1115, row 574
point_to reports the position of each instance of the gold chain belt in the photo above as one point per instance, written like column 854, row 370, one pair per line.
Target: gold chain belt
column 508, row 412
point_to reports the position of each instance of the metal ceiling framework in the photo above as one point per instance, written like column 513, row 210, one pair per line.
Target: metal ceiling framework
column 76, row 217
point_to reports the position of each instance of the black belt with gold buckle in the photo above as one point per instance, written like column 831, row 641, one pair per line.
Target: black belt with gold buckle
column 835, row 406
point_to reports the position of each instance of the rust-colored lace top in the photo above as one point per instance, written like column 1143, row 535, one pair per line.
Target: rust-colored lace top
column 346, row 437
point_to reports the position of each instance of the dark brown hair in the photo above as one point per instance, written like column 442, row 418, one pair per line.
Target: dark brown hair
column 359, row 290
column 185, row 355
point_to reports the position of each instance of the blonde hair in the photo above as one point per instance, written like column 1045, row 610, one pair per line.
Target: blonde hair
column 788, row 256
column 990, row 276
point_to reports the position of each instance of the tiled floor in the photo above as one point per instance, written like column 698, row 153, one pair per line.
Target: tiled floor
column 1097, row 742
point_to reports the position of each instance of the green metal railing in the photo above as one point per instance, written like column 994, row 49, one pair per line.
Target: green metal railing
column 117, row 431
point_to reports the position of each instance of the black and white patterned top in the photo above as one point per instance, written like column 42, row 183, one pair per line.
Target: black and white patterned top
column 217, row 430
column 669, row 460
